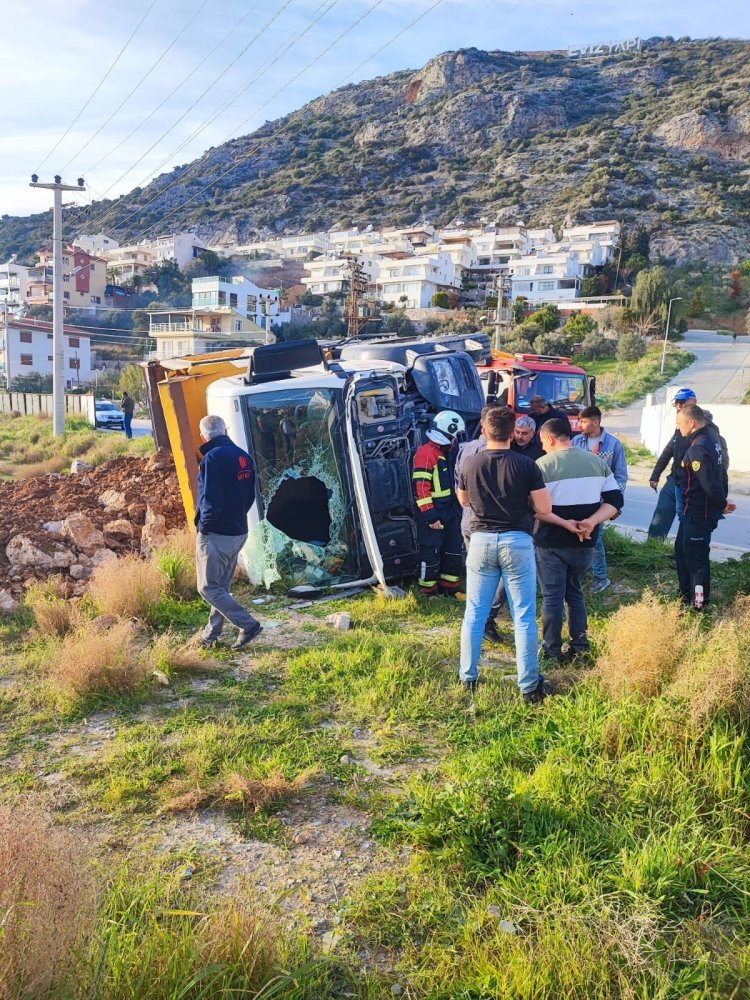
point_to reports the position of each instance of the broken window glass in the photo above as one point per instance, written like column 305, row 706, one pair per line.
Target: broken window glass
column 307, row 529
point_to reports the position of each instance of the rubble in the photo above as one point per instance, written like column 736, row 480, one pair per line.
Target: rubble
column 71, row 524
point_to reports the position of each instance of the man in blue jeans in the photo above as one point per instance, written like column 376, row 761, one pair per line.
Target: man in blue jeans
column 595, row 439
column 584, row 494
column 503, row 490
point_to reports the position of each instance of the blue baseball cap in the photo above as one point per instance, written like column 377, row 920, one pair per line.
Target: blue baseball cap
column 683, row 396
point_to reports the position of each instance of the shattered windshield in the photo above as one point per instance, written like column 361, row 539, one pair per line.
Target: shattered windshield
column 306, row 533
column 558, row 388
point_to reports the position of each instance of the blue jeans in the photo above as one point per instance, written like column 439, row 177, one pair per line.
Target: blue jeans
column 561, row 573
column 509, row 556
column 599, row 563
column 127, row 421
column 671, row 501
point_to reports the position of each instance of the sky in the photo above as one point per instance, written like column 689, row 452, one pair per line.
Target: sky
column 120, row 93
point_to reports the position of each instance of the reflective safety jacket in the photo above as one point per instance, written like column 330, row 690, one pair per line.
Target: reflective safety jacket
column 433, row 480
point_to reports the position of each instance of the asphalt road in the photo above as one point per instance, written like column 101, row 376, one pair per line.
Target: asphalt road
column 720, row 374
column 731, row 538
column 140, row 428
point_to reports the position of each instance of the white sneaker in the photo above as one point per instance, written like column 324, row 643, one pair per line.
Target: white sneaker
column 600, row 584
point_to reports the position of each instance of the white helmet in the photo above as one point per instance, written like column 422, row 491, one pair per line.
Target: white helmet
column 446, row 426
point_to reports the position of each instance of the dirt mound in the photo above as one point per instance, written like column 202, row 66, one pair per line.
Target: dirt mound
column 67, row 524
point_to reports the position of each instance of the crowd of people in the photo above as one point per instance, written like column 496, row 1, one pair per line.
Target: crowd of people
column 519, row 507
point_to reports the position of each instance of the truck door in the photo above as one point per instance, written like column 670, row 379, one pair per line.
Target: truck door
column 381, row 440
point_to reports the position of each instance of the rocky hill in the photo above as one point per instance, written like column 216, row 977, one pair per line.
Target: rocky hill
column 660, row 136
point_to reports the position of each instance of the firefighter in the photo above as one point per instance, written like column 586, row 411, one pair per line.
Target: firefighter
column 439, row 514
column 705, row 498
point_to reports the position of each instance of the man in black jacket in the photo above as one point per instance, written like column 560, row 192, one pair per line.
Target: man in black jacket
column 542, row 411
column 226, row 492
column 671, row 500
column 705, row 495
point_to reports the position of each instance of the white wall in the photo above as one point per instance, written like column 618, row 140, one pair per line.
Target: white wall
column 732, row 419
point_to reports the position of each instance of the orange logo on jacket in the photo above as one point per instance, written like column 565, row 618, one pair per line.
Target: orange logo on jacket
column 244, row 472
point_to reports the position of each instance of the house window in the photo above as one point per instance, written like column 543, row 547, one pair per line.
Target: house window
column 49, row 357
column 233, row 300
column 66, row 295
column 546, row 286
column 238, row 326
column 547, row 269
column 27, row 359
column 24, row 337
column 96, row 299
column 92, row 267
column 74, row 363
column 49, row 336
column 74, row 342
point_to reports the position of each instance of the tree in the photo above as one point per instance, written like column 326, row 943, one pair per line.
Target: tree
column 631, row 347
column 651, row 294
column 399, row 322
column 173, row 286
column 548, row 318
column 595, row 347
column 131, row 381
column 519, row 307
column 697, row 304
column 579, row 326
column 441, row 300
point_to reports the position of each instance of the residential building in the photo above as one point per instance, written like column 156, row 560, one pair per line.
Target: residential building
column 607, row 234
column 128, row 265
column 328, row 275
column 84, row 279
column 98, row 244
column 548, row 277
column 543, row 237
column 26, row 348
column 412, row 281
column 13, row 285
column 239, row 293
column 179, row 247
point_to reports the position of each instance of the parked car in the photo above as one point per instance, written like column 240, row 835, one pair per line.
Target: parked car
column 109, row 414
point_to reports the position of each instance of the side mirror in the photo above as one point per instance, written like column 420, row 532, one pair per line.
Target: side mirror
column 492, row 383
column 592, row 390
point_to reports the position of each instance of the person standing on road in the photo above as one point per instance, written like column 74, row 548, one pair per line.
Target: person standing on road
column 584, row 494
column 542, row 411
column 595, row 439
column 503, row 490
column 526, row 440
column 438, row 512
column 226, row 492
column 671, row 501
column 705, row 496
column 127, row 405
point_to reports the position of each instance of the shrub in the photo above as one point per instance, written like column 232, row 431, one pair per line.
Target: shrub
column 170, row 654
column 54, row 614
column 47, row 901
column 129, row 586
column 644, row 644
column 631, row 347
column 595, row 347
column 176, row 560
column 580, row 326
column 92, row 660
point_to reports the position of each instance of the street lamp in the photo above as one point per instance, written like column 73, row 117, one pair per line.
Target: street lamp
column 617, row 272
column 678, row 298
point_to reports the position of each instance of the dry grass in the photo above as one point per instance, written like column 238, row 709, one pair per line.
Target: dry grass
column 92, row 661
column 169, row 653
column 54, row 614
column 44, row 468
column 177, row 560
column 47, row 902
column 239, row 939
column 715, row 679
column 253, row 794
column 128, row 587
column 644, row 644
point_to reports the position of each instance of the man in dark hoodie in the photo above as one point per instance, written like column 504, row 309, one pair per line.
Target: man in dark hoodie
column 705, row 503
column 226, row 492
column 671, row 499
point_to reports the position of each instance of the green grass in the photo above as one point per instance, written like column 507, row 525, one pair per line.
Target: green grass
column 620, row 383
column 584, row 848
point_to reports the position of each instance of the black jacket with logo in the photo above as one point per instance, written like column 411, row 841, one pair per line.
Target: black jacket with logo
column 706, row 483
column 226, row 488
column 675, row 448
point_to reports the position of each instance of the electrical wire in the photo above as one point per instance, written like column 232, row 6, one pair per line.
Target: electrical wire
column 99, row 85
column 207, row 90
column 142, row 80
column 317, row 16
column 325, row 51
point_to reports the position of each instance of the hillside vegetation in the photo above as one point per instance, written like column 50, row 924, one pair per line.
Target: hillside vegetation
column 660, row 136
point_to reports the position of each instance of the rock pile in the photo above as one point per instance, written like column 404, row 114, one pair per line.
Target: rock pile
column 70, row 524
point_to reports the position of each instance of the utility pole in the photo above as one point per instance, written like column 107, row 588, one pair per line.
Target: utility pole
column 357, row 288
column 666, row 332
column 58, row 341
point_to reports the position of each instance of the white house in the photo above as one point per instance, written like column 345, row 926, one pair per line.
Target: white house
column 607, row 234
column 411, row 281
column 124, row 264
column 96, row 244
column 252, row 301
column 14, row 279
column 549, row 277
column 179, row 247
column 26, row 348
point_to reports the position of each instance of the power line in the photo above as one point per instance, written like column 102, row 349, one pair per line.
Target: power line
column 210, row 87
column 142, row 80
column 317, row 16
column 293, row 117
column 99, row 85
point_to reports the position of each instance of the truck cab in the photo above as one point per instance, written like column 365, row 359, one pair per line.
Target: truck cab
column 332, row 442
column 513, row 379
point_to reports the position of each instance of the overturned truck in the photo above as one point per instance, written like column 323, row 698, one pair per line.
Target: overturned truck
column 332, row 435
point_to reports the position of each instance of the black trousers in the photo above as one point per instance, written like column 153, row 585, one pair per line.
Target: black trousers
column 440, row 553
column 691, row 550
